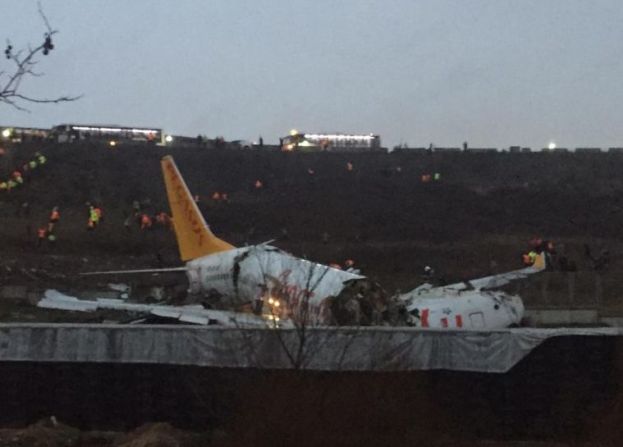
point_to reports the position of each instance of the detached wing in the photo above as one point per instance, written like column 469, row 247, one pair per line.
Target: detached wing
column 54, row 299
column 123, row 272
column 495, row 281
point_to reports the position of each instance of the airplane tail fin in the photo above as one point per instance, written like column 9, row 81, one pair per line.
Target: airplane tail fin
column 194, row 238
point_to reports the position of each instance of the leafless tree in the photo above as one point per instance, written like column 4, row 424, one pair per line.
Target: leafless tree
column 22, row 65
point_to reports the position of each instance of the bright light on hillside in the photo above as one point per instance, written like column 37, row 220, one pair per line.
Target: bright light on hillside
column 551, row 146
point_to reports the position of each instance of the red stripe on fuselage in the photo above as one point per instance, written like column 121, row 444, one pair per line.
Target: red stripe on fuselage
column 424, row 317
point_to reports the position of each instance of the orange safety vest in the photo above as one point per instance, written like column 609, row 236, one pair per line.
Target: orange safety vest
column 145, row 221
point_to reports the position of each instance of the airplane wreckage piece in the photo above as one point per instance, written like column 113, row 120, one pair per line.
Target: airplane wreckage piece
column 194, row 314
column 470, row 304
column 269, row 281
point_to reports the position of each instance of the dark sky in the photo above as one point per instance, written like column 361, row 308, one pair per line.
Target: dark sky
column 492, row 72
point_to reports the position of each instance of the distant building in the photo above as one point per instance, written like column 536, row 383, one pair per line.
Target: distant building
column 112, row 134
column 486, row 150
column 447, row 149
column 23, row 134
column 331, row 142
column 589, row 150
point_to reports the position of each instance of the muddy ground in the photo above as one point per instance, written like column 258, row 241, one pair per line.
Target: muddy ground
column 476, row 220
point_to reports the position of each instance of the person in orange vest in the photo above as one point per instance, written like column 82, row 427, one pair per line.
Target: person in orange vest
column 100, row 214
column 216, row 196
column 145, row 222
column 93, row 218
column 529, row 258
column 55, row 216
column 42, row 232
column 163, row 219
column 258, row 184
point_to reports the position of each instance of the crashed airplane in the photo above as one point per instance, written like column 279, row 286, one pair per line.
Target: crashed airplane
column 280, row 290
column 266, row 280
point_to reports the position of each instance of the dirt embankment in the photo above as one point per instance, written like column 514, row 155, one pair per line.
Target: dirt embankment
column 475, row 220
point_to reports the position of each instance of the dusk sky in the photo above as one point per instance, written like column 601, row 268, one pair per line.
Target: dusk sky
column 491, row 72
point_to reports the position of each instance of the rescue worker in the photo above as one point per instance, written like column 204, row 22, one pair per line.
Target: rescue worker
column 93, row 218
column 145, row 222
column 532, row 255
column 100, row 214
column 55, row 216
column 41, row 235
column 40, row 158
column 429, row 272
column 163, row 219
column 525, row 258
column 536, row 242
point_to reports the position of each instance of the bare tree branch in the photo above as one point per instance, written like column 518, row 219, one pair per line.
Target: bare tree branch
column 24, row 61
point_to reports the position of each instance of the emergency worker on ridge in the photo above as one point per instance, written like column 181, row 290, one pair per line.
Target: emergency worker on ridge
column 41, row 235
column 145, row 221
column 93, row 218
column 55, row 216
